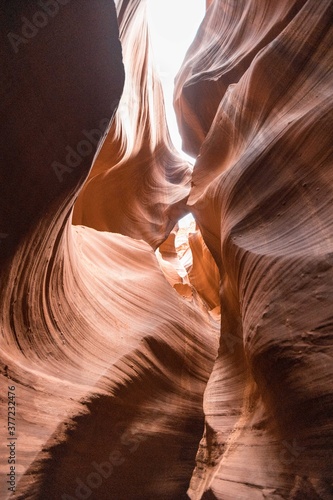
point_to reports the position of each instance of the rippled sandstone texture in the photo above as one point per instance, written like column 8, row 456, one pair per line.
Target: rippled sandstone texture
column 262, row 195
column 138, row 157
column 119, row 392
column 108, row 361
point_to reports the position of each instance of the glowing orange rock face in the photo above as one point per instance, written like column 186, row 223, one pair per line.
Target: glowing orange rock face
column 262, row 196
column 107, row 362
column 229, row 38
column 139, row 184
column 121, row 390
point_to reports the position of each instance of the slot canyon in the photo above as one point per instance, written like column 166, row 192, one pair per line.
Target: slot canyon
column 142, row 359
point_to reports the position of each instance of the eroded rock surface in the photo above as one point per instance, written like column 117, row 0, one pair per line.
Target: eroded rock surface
column 262, row 195
column 121, row 393
column 108, row 362
column 230, row 36
column 139, row 183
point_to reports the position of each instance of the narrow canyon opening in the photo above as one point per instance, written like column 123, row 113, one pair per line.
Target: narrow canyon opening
column 141, row 359
column 173, row 26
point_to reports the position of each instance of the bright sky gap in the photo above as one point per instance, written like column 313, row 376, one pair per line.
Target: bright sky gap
column 173, row 25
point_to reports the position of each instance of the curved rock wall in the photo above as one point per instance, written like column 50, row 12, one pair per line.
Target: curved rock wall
column 230, row 36
column 139, row 184
column 46, row 114
column 262, row 195
column 122, row 392
column 107, row 362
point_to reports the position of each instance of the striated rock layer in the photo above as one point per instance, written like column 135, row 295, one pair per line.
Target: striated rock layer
column 122, row 391
column 262, row 195
column 228, row 39
column 108, row 363
column 139, row 184
column 189, row 266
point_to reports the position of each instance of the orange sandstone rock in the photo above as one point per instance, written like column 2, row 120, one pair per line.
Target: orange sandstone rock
column 262, row 196
column 108, row 363
column 139, row 184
